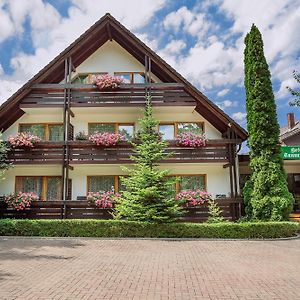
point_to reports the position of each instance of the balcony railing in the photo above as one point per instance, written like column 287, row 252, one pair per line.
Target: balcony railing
column 53, row 95
column 85, row 152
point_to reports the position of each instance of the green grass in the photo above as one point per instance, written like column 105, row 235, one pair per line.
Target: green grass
column 113, row 228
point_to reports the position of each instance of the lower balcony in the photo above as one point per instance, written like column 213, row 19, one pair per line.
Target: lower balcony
column 85, row 152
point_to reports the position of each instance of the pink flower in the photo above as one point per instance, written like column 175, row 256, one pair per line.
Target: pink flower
column 23, row 139
column 108, row 82
column 190, row 139
column 192, row 198
column 20, row 200
column 103, row 199
column 106, row 139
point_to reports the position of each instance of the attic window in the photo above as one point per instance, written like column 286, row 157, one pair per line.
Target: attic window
column 86, row 78
column 131, row 77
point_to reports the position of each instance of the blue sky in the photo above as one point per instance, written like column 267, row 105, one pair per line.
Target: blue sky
column 203, row 40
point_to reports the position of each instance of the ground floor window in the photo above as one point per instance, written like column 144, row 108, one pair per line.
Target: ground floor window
column 190, row 182
column 108, row 183
column 46, row 187
column 102, row 183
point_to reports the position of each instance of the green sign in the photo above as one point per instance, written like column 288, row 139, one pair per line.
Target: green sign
column 290, row 152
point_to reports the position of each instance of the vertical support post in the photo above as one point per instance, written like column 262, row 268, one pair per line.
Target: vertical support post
column 66, row 125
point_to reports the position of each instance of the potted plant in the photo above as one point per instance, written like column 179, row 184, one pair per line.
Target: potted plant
column 20, row 201
column 103, row 199
column 106, row 139
column 190, row 139
column 108, row 82
column 81, row 136
column 23, row 139
column 193, row 198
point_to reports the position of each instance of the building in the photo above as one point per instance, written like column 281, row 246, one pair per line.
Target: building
column 60, row 102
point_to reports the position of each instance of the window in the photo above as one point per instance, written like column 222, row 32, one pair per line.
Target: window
column 102, row 183
column 297, row 180
column 123, row 128
column 48, row 132
column 190, row 182
column 167, row 131
column 131, row 77
column 46, row 187
column 86, row 78
column 170, row 131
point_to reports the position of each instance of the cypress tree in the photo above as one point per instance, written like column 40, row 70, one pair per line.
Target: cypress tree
column 266, row 193
column 148, row 192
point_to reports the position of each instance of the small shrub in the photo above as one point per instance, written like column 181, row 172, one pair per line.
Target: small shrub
column 214, row 212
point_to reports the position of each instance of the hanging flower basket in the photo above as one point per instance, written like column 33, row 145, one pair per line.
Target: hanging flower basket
column 103, row 199
column 193, row 198
column 23, row 139
column 190, row 139
column 108, row 82
column 19, row 201
column 106, row 139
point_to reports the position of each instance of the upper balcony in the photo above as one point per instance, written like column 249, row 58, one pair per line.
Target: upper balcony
column 85, row 152
column 87, row 95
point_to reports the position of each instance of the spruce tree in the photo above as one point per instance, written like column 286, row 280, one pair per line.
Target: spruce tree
column 266, row 193
column 4, row 165
column 147, row 195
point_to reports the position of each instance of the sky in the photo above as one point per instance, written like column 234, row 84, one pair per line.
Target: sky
column 202, row 39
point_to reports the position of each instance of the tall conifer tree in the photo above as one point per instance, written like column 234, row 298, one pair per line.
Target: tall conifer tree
column 266, row 193
column 148, row 192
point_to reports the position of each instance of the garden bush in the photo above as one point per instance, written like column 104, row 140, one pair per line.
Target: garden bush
column 116, row 228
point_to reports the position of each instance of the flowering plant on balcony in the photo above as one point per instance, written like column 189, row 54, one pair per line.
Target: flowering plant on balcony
column 106, row 139
column 192, row 198
column 108, row 82
column 190, row 139
column 103, row 199
column 23, row 139
column 20, row 200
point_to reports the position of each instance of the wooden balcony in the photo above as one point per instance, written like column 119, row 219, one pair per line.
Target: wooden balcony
column 85, row 152
column 87, row 95
column 232, row 210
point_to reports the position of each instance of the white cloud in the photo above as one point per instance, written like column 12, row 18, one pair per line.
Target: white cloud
column 223, row 92
column 193, row 22
column 239, row 116
column 51, row 33
column 227, row 103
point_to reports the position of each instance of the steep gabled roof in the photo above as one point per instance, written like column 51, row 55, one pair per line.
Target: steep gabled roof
column 105, row 29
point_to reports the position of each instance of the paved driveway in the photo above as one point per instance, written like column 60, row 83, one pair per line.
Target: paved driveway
column 148, row 269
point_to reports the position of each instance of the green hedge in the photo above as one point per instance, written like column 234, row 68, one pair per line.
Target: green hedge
column 113, row 228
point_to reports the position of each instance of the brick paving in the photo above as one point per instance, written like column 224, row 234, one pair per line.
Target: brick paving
column 148, row 269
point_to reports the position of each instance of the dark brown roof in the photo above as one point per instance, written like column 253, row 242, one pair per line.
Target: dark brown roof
column 286, row 132
column 103, row 30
